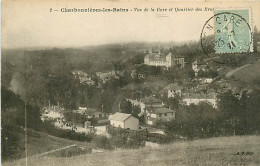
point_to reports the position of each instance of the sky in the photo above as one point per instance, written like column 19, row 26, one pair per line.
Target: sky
column 31, row 24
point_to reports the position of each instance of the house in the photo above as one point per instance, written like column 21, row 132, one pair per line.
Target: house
column 172, row 90
column 81, row 110
column 90, row 112
column 83, row 77
column 125, row 121
column 157, row 59
column 151, row 101
column 195, row 98
column 147, row 102
column 206, row 80
column 134, row 73
column 93, row 113
column 106, row 76
column 199, row 65
column 52, row 113
column 157, row 114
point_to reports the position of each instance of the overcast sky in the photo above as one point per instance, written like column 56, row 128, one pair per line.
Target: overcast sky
column 31, row 24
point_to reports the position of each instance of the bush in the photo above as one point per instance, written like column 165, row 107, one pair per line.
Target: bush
column 67, row 134
column 74, row 151
column 103, row 142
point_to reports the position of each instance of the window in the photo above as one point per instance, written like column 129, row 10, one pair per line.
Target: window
column 100, row 115
column 165, row 114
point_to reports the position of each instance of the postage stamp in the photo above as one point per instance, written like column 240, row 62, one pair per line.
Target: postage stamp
column 232, row 31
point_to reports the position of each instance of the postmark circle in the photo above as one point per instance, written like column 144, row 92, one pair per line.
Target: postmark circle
column 210, row 42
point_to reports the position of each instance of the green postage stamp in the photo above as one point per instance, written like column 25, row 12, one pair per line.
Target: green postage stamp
column 233, row 33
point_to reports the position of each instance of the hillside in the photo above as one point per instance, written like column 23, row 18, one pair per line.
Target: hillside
column 39, row 142
column 213, row 151
column 245, row 76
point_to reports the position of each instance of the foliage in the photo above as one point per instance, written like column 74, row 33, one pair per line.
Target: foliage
column 49, row 128
column 13, row 119
column 234, row 116
column 121, row 138
column 128, row 108
column 75, row 117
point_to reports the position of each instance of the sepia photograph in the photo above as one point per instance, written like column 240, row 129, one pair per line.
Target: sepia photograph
column 129, row 83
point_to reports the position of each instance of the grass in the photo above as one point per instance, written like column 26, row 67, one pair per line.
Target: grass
column 246, row 73
column 39, row 142
column 213, row 151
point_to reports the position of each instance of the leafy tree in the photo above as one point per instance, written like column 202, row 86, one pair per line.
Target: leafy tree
column 126, row 106
column 201, row 73
column 212, row 73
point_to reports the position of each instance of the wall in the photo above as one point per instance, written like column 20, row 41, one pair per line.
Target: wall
column 117, row 124
column 132, row 123
column 196, row 101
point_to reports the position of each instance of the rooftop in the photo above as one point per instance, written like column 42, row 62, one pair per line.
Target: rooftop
column 158, row 110
column 155, row 57
column 119, row 117
column 54, row 108
column 173, row 86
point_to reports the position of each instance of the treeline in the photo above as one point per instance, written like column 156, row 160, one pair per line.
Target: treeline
column 235, row 115
column 15, row 114
column 121, row 138
column 13, row 110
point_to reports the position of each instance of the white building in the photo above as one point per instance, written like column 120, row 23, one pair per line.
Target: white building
column 52, row 113
column 125, row 121
column 156, row 59
column 198, row 65
column 156, row 114
column 197, row 98
column 172, row 90
column 83, row 77
column 147, row 102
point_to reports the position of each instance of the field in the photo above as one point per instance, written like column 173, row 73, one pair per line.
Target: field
column 41, row 143
column 246, row 73
column 214, row 151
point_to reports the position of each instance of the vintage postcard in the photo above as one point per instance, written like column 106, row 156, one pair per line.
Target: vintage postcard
column 120, row 83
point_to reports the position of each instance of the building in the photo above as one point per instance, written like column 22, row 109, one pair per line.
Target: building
column 52, row 113
column 159, row 114
column 157, row 59
column 172, row 90
column 106, row 76
column 206, row 80
column 151, row 101
column 199, row 65
column 93, row 113
column 83, row 77
column 196, row 98
column 125, row 121
column 134, row 73
column 90, row 112
column 147, row 102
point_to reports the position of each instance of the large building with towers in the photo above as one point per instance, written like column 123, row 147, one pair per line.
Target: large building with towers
column 157, row 59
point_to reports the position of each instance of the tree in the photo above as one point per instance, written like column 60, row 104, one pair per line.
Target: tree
column 191, row 74
column 126, row 106
column 212, row 73
column 174, row 102
column 201, row 73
